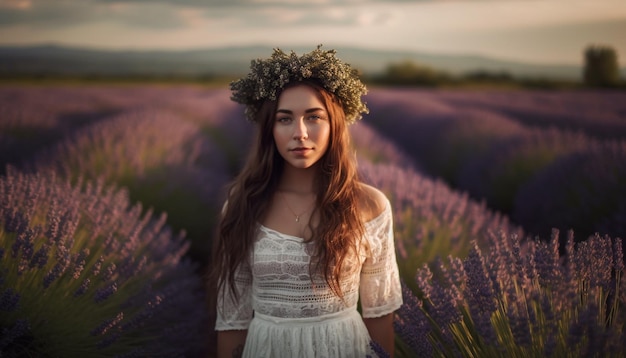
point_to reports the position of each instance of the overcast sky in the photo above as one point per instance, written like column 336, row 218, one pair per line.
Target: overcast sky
column 538, row 31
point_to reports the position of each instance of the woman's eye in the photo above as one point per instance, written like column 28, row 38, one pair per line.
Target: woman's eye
column 315, row 117
column 283, row 119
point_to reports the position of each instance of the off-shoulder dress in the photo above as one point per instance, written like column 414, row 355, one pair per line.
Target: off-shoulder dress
column 288, row 314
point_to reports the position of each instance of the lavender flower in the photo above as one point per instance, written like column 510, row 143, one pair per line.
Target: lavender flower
column 107, row 325
column 570, row 304
column 17, row 331
column 105, row 292
column 378, row 350
column 514, row 153
column 140, row 149
column 551, row 312
column 9, row 300
column 412, row 326
column 480, row 295
column 40, row 258
column 69, row 284
column 83, row 287
column 430, row 219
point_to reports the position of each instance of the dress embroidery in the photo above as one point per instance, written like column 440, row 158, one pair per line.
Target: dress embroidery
column 277, row 290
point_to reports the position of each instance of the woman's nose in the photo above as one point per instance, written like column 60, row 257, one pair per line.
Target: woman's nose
column 300, row 131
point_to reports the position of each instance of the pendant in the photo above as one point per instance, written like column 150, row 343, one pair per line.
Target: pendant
column 297, row 218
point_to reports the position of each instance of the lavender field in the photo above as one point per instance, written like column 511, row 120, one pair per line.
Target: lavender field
column 509, row 212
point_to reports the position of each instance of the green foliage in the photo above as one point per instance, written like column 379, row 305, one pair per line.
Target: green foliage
column 601, row 67
column 411, row 73
column 486, row 76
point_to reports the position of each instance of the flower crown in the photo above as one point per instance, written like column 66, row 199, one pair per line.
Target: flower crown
column 268, row 77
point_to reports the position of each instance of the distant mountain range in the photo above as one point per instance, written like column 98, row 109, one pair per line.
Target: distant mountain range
column 233, row 61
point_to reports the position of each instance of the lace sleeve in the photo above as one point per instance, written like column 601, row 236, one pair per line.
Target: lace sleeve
column 380, row 290
column 231, row 314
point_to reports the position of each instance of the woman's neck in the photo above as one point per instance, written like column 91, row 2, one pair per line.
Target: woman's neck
column 297, row 180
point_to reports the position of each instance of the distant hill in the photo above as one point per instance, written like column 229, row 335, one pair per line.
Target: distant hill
column 233, row 61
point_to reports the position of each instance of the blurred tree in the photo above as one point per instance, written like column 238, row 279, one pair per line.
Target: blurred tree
column 601, row 67
column 411, row 73
column 486, row 76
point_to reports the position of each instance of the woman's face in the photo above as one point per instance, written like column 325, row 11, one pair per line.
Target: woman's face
column 301, row 127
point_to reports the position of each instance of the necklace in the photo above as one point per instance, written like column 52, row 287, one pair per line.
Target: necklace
column 293, row 212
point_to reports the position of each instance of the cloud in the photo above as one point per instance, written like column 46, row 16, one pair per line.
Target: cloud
column 16, row 4
column 43, row 15
column 260, row 3
column 333, row 15
column 170, row 14
column 432, row 25
column 164, row 13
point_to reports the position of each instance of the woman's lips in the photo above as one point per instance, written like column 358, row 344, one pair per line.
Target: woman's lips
column 300, row 150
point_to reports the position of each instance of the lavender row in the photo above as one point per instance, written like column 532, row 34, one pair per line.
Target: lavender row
column 372, row 147
column 430, row 219
column 491, row 292
column 498, row 174
column 585, row 191
column 500, row 302
column 165, row 161
column 434, row 132
column 492, row 156
column 85, row 273
column 197, row 131
column 33, row 118
column 599, row 114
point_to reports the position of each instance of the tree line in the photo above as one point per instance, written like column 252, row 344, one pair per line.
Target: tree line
column 600, row 70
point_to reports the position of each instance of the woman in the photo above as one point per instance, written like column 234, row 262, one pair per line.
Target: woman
column 301, row 238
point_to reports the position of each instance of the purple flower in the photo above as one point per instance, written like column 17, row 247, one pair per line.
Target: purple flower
column 8, row 336
column 9, row 300
column 84, row 286
column 545, row 261
column 105, row 292
column 380, row 351
column 56, row 272
column 105, row 326
column 40, row 258
column 411, row 324
column 618, row 255
column 73, row 272
column 79, row 263
column 480, row 295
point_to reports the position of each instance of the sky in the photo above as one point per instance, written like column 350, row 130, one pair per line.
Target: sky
column 533, row 31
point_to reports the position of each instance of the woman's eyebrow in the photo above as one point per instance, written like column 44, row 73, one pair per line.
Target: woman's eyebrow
column 287, row 111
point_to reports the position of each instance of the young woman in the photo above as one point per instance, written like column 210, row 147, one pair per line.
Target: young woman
column 301, row 239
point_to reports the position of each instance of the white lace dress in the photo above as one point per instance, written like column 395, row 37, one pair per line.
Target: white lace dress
column 288, row 316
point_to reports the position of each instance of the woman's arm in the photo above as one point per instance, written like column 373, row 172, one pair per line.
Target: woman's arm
column 230, row 343
column 381, row 331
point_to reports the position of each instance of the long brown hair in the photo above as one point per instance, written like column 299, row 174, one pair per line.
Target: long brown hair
column 340, row 224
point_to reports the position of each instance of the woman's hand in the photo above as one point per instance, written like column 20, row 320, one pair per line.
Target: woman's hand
column 381, row 331
column 230, row 343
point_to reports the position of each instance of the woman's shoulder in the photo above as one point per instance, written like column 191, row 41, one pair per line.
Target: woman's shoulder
column 372, row 202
